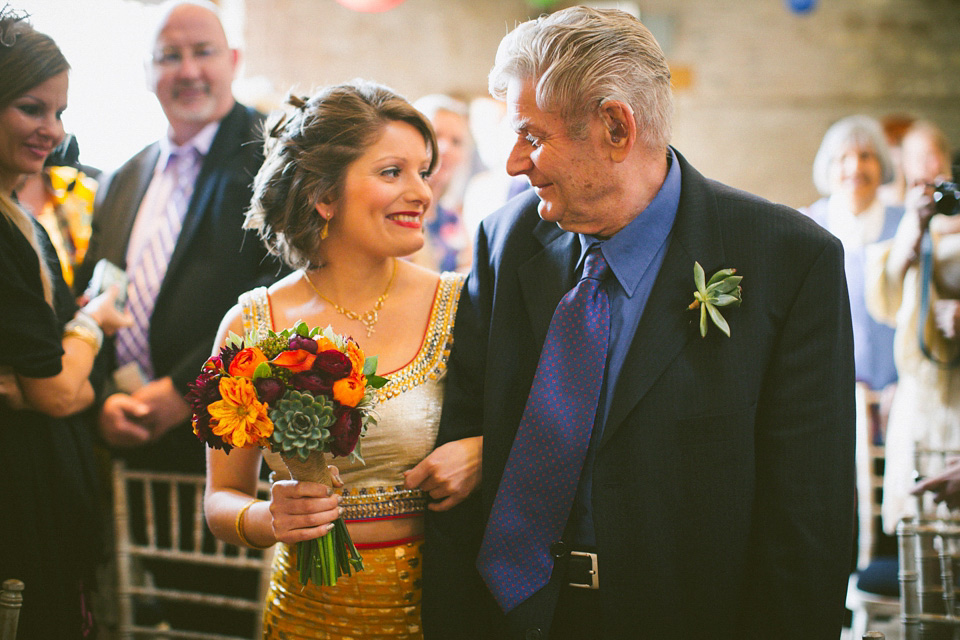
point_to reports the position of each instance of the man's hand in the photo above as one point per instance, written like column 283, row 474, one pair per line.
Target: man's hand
column 946, row 314
column 166, row 408
column 449, row 474
column 945, row 486
column 122, row 421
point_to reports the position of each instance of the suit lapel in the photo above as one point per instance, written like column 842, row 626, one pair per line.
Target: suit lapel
column 666, row 324
column 125, row 210
column 547, row 276
column 224, row 144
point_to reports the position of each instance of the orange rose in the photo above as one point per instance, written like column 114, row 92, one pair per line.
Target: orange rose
column 245, row 362
column 349, row 391
column 355, row 353
column 324, row 343
column 295, row 360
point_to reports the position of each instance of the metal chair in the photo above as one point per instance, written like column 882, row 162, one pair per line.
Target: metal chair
column 870, row 610
column 929, row 558
column 163, row 535
column 11, row 599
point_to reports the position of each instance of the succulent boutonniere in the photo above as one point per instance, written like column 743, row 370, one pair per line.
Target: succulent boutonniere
column 723, row 289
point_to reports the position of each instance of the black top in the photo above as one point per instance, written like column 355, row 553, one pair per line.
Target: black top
column 49, row 535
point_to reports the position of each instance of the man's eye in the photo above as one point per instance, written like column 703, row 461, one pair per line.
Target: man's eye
column 205, row 52
column 169, row 58
column 533, row 140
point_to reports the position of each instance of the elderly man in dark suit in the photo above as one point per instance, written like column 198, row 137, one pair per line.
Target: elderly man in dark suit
column 648, row 472
column 180, row 289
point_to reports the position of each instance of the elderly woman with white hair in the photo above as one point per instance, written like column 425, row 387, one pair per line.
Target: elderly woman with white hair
column 852, row 163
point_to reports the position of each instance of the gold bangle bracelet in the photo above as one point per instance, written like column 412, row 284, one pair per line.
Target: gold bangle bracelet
column 239, row 525
column 84, row 334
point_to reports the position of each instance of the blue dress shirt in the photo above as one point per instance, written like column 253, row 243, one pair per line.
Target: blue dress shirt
column 634, row 254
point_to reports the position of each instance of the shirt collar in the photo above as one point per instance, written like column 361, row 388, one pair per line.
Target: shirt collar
column 631, row 250
column 200, row 142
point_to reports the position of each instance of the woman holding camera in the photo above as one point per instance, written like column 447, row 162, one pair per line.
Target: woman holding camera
column 49, row 538
column 914, row 285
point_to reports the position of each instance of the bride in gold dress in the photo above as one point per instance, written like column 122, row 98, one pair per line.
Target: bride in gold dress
column 341, row 197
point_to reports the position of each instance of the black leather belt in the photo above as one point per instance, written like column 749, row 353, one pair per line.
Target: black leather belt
column 582, row 570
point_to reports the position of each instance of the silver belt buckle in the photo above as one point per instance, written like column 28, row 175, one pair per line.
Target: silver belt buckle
column 594, row 573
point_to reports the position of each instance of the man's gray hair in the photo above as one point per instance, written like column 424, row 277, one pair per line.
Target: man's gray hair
column 581, row 58
column 859, row 130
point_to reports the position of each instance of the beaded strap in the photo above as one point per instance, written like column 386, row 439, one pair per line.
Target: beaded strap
column 431, row 361
column 255, row 310
column 373, row 503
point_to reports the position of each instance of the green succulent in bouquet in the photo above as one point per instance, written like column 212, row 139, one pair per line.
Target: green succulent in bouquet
column 301, row 423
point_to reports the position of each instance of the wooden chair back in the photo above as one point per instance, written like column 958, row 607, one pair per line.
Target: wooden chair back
column 11, row 599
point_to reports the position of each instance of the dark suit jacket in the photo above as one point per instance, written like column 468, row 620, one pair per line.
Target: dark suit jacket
column 213, row 262
column 723, row 482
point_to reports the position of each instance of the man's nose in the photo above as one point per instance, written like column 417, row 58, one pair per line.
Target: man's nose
column 518, row 162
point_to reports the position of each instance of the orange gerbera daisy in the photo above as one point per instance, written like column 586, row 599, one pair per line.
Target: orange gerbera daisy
column 239, row 417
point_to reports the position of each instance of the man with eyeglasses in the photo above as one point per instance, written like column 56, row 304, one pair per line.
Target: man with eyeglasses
column 171, row 217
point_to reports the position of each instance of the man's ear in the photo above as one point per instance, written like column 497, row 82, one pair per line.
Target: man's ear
column 620, row 128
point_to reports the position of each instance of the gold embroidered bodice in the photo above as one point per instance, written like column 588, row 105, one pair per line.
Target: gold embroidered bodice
column 408, row 407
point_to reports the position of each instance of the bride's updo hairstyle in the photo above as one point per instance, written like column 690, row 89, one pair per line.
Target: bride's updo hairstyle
column 307, row 152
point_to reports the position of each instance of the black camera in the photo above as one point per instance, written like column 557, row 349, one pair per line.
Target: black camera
column 946, row 198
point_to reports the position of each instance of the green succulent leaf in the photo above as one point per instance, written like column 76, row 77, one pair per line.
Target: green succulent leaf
column 726, row 285
column 703, row 320
column 718, row 319
column 721, row 275
column 698, row 277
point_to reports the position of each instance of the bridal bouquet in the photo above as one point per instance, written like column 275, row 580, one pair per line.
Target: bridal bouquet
column 301, row 393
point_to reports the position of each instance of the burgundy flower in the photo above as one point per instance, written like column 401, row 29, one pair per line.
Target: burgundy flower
column 204, row 390
column 269, row 390
column 345, row 432
column 311, row 381
column 227, row 354
column 332, row 364
column 307, row 344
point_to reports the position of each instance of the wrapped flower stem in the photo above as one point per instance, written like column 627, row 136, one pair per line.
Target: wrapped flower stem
column 330, row 556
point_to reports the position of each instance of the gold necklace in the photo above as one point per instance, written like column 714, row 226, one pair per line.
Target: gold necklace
column 368, row 318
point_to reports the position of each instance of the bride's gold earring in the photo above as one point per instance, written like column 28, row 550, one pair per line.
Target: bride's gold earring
column 325, row 229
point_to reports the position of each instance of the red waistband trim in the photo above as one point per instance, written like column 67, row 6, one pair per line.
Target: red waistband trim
column 388, row 543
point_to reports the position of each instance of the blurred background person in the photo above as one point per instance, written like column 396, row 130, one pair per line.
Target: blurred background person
column 895, row 126
column 852, row 163
column 447, row 245
column 50, row 538
column 922, row 304
column 487, row 190
column 61, row 198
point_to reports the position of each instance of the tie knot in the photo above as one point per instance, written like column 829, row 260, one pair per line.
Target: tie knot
column 182, row 158
column 595, row 266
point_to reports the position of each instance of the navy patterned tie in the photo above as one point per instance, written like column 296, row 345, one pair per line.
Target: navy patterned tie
column 533, row 503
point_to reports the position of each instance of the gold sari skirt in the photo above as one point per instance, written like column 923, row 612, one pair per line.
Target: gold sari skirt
column 382, row 602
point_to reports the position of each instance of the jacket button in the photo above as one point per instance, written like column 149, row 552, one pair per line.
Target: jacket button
column 532, row 634
column 558, row 549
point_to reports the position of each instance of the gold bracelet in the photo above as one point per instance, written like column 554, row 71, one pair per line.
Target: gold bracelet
column 239, row 525
column 84, row 334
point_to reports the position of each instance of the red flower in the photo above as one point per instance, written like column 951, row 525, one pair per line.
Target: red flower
column 332, row 364
column 296, row 360
column 269, row 390
column 307, row 344
column 311, row 381
column 345, row 432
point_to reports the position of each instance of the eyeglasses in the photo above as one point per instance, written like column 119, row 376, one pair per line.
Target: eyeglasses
column 172, row 57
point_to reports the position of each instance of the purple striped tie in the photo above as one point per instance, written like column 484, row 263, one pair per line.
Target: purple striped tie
column 148, row 268
column 533, row 503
